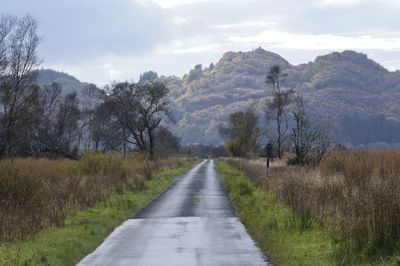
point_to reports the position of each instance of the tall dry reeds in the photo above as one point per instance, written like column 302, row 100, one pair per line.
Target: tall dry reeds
column 356, row 194
column 35, row 193
column 370, row 207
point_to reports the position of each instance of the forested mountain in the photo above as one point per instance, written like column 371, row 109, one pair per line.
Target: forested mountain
column 206, row 96
column 339, row 86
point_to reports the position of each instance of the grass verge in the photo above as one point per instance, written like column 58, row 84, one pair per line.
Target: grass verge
column 286, row 238
column 85, row 230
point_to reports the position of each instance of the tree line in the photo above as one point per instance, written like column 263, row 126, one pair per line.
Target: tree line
column 290, row 126
column 362, row 129
column 43, row 121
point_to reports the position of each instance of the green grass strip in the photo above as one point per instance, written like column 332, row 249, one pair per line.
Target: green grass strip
column 280, row 234
column 85, row 230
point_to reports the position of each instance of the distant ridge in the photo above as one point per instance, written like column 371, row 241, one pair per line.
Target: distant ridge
column 336, row 84
column 68, row 82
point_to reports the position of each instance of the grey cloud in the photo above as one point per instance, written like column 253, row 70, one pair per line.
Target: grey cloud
column 80, row 36
column 303, row 16
column 369, row 18
column 74, row 30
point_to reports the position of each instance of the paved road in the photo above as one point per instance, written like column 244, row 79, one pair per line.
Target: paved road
column 192, row 223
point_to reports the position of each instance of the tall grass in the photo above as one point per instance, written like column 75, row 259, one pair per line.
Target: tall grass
column 368, row 211
column 35, row 193
column 84, row 230
column 356, row 194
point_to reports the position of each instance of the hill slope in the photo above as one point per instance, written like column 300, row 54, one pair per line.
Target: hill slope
column 69, row 83
column 335, row 84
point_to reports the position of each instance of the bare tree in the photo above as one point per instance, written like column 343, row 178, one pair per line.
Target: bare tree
column 154, row 103
column 310, row 141
column 91, row 97
column 51, row 98
column 106, row 131
column 125, row 102
column 302, row 136
column 57, row 131
column 140, row 109
column 23, row 142
column 277, row 107
column 67, row 130
column 7, row 23
column 242, row 132
column 17, row 93
column 165, row 141
column 324, row 139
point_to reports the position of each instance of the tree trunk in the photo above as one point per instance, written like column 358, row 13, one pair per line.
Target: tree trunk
column 151, row 144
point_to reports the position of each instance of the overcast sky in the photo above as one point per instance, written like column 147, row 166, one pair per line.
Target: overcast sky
column 102, row 40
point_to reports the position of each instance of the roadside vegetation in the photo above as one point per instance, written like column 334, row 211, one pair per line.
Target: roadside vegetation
column 36, row 193
column 347, row 210
column 278, row 231
column 58, row 211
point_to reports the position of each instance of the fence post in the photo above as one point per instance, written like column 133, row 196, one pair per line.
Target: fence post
column 267, row 167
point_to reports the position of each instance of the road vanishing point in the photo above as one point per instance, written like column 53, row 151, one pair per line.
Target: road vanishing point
column 192, row 223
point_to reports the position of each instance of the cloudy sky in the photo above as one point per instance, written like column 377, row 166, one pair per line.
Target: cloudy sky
column 103, row 40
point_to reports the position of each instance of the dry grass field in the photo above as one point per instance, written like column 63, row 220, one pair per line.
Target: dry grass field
column 36, row 193
column 355, row 194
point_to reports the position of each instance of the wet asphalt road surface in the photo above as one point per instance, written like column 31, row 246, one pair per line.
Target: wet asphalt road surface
column 192, row 223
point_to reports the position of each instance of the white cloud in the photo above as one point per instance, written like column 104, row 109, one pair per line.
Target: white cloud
column 287, row 40
column 176, row 3
column 244, row 24
column 120, row 39
column 189, row 50
column 179, row 20
column 173, row 3
column 392, row 3
column 189, row 46
column 342, row 2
